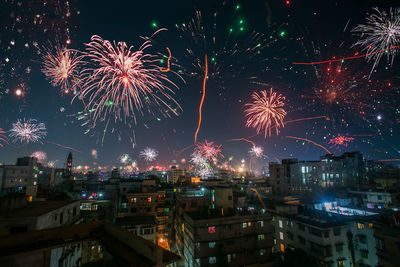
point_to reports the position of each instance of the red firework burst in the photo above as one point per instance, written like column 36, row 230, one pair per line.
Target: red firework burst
column 209, row 150
column 339, row 141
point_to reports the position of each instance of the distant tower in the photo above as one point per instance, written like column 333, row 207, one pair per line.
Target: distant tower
column 69, row 165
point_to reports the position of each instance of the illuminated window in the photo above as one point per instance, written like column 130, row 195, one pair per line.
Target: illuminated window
column 261, row 223
column 244, row 225
column 211, row 244
column 149, row 199
column 341, row 263
column 260, row 237
column 360, row 226
column 282, row 248
column 263, row 251
column 303, row 169
column 370, row 225
column 281, row 235
column 212, row 260
column 229, row 258
column 249, row 224
column 29, row 198
column 280, row 224
column 211, row 229
column 133, row 199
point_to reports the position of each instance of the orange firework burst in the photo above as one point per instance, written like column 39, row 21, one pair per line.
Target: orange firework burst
column 62, row 68
column 265, row 112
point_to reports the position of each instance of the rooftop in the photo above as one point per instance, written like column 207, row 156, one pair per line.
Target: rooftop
column 37, row 208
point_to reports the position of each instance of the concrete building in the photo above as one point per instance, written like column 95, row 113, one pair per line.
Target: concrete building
column 237, row 240
column 324, row 240
column 95, row 244
column 143, row 226
column 387, row 236
column 330, row 171
column 176, row 173
column 39, row 215
column 373, row 199
column 18, row 177
column 363, row 243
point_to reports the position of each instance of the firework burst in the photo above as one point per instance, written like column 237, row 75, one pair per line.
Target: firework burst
column 256, row 151
column 339, row 141
column 209, row 151
column 265, row 112
column 149, row 154
column 380, row 35
column 119, row 81
column 27, row 131
column 125, row 158
column 40, row 156
column 198, row 159
column 62, row 68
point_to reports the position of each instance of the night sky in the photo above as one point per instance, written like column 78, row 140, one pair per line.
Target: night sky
column 301, row 31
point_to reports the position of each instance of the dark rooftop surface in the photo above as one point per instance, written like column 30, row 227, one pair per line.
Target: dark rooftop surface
column 37, row 208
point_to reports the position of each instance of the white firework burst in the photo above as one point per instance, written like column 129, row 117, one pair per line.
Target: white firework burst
column 256, row 151
column 149, row 154
column 40, row 156
column 380, row 35
column 26, row 131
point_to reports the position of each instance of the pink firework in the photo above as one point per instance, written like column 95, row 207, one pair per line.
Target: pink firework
column 209, row 151
column 119, row 81
column 62, row 68
column 3, row 138
column 40, row 156
column 339, row 141
column 265, row 112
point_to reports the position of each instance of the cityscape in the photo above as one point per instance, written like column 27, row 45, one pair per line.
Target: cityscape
column 199, row 133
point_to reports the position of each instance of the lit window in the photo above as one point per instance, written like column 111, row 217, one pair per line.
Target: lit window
column 211, row 244
column 212, row 260
column 244, row 225
column 370, row 225
column 262, row 251
column 133, row 199
column 260, row 237
column 340, row 263
column 149, row 199
column 360, row 226
column 282, row 248
column 211, row 229
column 281, row 235
column 280, row 224
column 229, row 257
column 303, row 169
column 249, row 224
column 261, row 223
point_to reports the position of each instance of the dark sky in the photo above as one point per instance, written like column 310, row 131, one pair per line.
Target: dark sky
column 313, row 31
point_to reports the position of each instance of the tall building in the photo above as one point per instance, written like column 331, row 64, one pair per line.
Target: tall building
column 176, row 173
column 20, row 176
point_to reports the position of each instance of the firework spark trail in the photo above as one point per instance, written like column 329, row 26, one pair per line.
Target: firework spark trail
column 345, row 58
column 168, row 62
column 26, row 131
column 3, row 137
column 388, row 160
column 310, row 141
column 66, row 147
column 119, row 81
column 202, row 97
column 243, row 139
column 265, row 112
